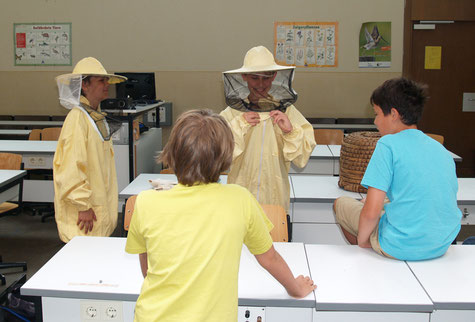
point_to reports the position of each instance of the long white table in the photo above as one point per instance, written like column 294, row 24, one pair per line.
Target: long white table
column 313, row 220
column 35, row 155
column 450, row 282
column 325, row 159
column 355, row 284
column 94, row 275
column 10, row 184
column 96, row 272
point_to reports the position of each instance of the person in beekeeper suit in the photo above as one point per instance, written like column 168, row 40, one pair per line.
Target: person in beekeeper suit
column 269, row 132
column 85, row 181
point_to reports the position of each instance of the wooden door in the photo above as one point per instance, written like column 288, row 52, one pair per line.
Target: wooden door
column 443, row 112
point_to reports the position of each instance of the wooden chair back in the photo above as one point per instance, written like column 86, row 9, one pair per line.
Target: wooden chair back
column 278, row 217
column 129, row 211
column 50, row 134
column 10, row 161
column 328, row 136
column 167, row 171
column 437, row 137
column 35, row 135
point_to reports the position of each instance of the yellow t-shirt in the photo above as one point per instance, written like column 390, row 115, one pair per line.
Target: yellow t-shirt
column 193, row 238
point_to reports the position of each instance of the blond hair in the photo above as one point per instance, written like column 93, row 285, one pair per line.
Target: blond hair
column 200, row 147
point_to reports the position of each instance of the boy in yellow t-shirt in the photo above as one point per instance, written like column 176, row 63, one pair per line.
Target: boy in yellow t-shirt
column 190, row 237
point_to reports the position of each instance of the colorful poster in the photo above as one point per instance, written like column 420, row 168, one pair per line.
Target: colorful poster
column 42, row 44
column 375, row 45
column 306, row 44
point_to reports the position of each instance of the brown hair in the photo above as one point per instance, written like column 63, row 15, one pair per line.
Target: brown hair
column 405, row 95
column 200, row 147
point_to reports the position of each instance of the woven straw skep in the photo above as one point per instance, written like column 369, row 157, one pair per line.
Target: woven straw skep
column 356, row 151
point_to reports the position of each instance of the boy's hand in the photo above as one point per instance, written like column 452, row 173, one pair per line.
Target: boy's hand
column 252, row 118
column 304, row 286
column 282, row 120
column 86, row 220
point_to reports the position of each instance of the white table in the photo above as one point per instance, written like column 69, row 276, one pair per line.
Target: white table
column 10, row 184
column 321, row 161
column 35, row 155
column 450, row 283
column 360, row 127
column 466, row 200
column 28, row 123
column 355, row 284
column 313, row 220
column 96, row 271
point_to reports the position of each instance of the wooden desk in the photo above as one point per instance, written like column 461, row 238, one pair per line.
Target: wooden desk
column 450, row 283
column 355, row 284
column 96, row 271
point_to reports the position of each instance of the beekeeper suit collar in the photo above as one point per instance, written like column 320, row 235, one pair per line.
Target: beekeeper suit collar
column 259, row 64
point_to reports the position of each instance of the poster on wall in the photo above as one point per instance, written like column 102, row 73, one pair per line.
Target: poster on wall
column 42, row 44
column 375, row 45
column 306, row 44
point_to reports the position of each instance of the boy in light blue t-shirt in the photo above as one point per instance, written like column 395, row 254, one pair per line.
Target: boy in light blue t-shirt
column 415, row 172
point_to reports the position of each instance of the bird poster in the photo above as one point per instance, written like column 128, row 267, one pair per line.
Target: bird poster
column 42, row 44
column 375, row 45
column 306, row 44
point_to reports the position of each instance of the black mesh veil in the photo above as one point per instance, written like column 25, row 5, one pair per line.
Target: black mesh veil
column 281, row 92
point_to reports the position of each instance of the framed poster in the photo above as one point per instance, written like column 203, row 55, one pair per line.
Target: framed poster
column 306, row 44
column 42, row 44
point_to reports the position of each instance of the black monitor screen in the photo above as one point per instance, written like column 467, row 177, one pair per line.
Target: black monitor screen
column 139, row 86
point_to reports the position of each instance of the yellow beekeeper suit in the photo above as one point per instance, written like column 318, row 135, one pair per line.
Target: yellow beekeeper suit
column 84, row 177
column 262, row 154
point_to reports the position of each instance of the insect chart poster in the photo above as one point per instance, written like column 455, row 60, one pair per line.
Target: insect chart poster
column 306, row 44
column 42, row 44
column 375, row 45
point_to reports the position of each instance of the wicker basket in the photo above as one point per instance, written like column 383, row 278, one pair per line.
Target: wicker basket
column 356, row 151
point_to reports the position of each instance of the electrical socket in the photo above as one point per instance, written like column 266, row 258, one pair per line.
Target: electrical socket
column 251, row 314
column 101, row 311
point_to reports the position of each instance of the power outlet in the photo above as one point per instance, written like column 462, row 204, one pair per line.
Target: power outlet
column 101, row 311
column 251, row 314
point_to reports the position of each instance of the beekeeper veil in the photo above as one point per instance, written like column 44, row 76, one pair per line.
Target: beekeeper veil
column 260, row 85
column 69, row 86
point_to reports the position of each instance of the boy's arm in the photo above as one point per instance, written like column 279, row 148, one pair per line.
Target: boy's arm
column 370, row 214
column 296, row 287
column 143, row 264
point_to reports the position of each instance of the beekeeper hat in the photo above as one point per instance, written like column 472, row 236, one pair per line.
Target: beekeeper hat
column 258, row 59
column 90, row 66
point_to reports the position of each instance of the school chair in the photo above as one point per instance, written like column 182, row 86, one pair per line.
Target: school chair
column 35, row 135
column 50, row 134
column 437, row 137
column 167, row 171
column 278, row 217
column 128, row 212
column 328, row 136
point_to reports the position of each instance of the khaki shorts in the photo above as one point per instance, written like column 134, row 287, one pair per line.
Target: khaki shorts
column 347, row 213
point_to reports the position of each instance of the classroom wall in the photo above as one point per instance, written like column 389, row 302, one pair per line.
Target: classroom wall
column 189, row 43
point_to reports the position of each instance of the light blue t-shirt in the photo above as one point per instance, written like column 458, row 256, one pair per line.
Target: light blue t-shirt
column 418, row 175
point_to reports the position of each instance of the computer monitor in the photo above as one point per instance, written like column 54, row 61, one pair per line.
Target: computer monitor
column 139, row 86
